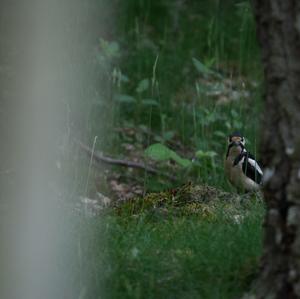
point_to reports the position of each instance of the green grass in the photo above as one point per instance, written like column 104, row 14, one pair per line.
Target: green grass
column 154, row 256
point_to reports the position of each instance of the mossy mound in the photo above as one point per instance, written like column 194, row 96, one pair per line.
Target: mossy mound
column 186, row 200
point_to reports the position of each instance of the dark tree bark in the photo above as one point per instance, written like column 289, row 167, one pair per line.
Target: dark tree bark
column 278, row 29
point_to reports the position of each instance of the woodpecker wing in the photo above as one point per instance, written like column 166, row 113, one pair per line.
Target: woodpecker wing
column 255, row 164
column 251, row 169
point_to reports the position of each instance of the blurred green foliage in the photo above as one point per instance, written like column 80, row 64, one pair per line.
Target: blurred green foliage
column 188, row 71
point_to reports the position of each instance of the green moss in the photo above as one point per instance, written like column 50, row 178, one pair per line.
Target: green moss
column 205, row 201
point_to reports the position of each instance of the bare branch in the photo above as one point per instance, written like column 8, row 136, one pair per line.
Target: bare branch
column 98, row 157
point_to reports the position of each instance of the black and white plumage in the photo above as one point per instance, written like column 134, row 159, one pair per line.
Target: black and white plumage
column 241, row 168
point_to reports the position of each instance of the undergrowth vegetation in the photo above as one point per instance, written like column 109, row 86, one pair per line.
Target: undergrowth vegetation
column 189, row 244
column 179, row 76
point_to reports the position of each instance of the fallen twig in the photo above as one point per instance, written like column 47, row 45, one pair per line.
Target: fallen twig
column 98, row 157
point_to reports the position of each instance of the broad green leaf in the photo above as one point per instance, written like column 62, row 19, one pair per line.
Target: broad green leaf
column 220, row 134
column 124, row 98
column 168, row 135
column 181, row 161
column 150, row 102
column 124, row 78
column 204, row 70
column 234, row 113
column 237, row 124
column 205, row 154
column 143, row 86
column 160, row 152
column 201, row 68
column 111, row 49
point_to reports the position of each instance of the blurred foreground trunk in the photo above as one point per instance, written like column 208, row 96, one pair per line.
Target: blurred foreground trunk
column 278, row 29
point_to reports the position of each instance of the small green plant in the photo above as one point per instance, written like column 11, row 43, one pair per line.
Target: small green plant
column 161, row 152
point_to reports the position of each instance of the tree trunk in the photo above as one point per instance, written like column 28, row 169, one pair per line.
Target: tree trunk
column 278, row 29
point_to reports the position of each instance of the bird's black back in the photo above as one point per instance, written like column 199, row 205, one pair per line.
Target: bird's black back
column 250, row 171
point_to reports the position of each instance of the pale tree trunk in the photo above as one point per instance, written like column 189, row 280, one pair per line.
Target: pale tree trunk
column 278, row 29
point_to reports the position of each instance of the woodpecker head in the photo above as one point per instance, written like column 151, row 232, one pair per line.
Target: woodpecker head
column 236, row 144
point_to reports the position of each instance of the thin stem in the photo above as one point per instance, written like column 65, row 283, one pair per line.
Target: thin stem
column 90, row 165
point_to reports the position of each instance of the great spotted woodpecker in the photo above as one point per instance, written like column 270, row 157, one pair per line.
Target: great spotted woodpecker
column 241, row 168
